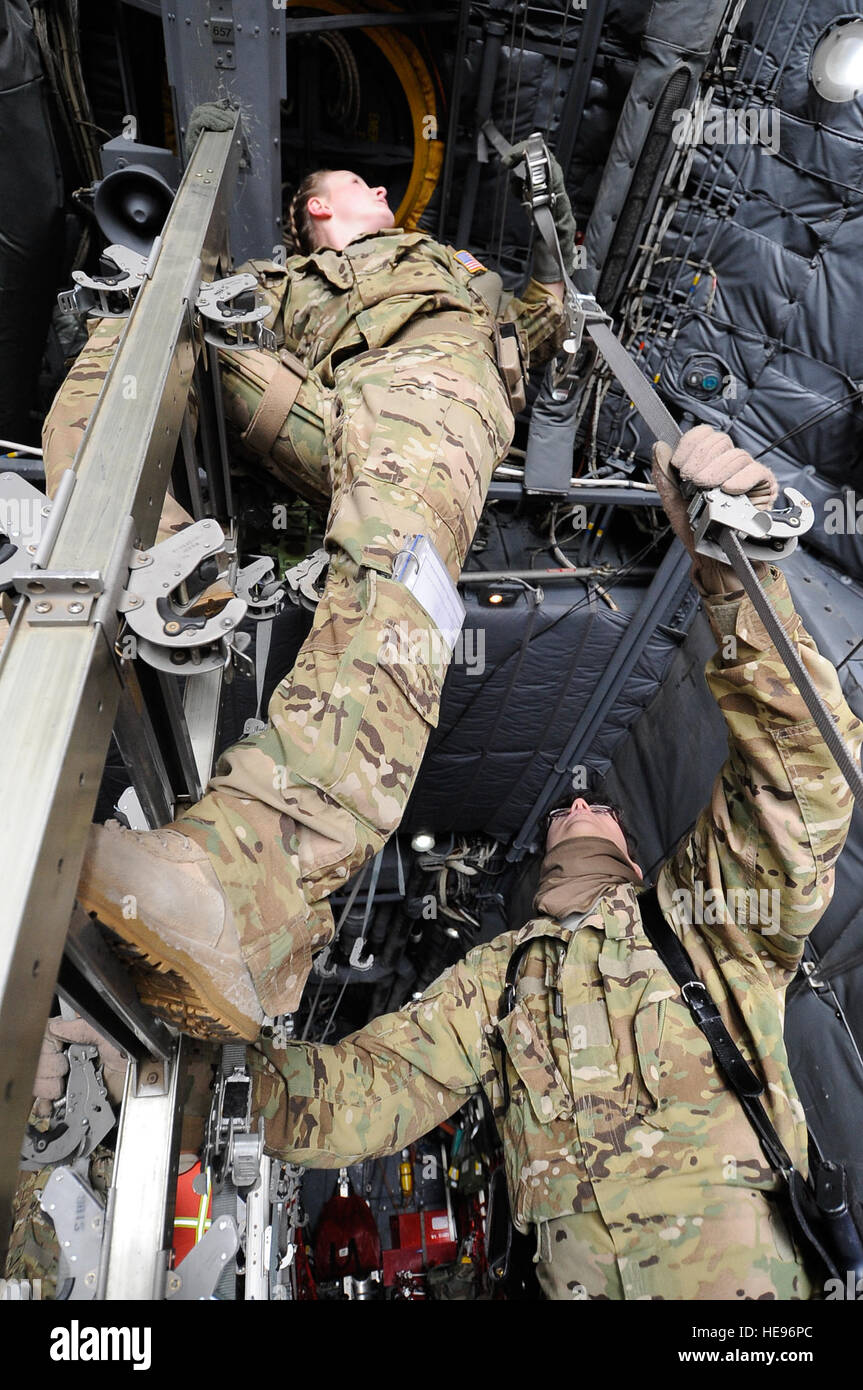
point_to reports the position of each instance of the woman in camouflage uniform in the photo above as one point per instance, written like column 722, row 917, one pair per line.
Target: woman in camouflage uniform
column 627, row 1153
column 386, row 398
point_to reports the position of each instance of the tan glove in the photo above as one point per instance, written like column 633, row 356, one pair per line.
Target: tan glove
column 210, row 115
column 707, row 458
column 53, row 1063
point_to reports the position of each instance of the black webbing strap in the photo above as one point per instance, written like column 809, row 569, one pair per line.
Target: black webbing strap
column 733, row 1066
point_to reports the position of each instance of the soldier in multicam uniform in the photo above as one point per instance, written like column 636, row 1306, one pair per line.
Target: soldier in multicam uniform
column 389, row 401
column 624, row 1149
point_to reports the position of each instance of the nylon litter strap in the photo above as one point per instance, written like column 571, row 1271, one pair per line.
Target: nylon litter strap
column 263, row 638
column 651, row 408
column 660, row 423
column 665, row 429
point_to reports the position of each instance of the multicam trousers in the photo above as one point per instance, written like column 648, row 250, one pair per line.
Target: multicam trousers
column 405, row 443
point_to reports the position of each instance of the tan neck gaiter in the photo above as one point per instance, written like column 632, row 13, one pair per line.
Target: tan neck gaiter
column 577, row 871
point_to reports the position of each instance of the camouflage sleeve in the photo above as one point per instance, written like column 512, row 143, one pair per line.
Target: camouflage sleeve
column 382, row 1087
column 539, row 315
column 757, row 872
column 69, row 415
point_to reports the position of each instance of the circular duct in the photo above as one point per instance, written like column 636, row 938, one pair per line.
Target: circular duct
column 836, row 66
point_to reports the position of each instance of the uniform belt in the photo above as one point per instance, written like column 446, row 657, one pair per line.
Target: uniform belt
column 506, row 352
column 430, row 326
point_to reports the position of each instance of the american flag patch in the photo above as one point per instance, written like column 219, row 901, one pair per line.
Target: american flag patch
column 469, row 262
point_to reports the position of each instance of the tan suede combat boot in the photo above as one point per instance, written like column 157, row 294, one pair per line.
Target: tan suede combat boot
column 158, row 892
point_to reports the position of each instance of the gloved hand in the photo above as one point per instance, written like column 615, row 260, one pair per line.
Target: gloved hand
column 545, row 267
column 707, row 458
column 53, row 1065
column 210, row 115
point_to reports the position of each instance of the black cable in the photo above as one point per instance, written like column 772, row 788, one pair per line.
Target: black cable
column 812, row 420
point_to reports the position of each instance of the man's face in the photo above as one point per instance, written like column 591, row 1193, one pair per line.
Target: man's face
column 582, row 820
column 349, row 206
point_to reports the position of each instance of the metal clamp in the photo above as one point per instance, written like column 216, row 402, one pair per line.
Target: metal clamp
column 111, row 295
column 305, row 581
column 243, row 1159
column 230, row 1112
column 228, row 307
column 164, row 583
column 566, row 370
column 765, row 535
column 232, row 1149
column 256, row 584
column 537, row 174
column 81, row 1121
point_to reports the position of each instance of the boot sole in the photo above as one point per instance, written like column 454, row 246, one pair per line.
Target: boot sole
column 169, row 981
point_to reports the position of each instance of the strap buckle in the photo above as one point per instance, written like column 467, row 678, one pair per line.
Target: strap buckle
column 537, row 179
column 697, row 999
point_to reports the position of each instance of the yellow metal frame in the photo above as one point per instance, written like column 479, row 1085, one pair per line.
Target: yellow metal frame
column 406, row 60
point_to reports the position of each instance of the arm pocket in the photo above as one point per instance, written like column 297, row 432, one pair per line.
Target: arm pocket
column 636, row 992
column 534, row 1066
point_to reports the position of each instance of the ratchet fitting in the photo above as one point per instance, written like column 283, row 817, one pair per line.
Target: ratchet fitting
column 764, row 535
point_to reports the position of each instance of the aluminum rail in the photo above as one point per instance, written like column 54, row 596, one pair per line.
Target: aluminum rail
column 59, row 684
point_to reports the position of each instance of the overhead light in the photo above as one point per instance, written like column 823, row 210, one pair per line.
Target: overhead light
column 836, row 66
column 423, row 842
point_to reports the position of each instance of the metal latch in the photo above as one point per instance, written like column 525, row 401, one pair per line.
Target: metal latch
column 305, row 581
column 112, row 294
column 230, row 306
column 159, row 602
column 566, row 371
column 232, row 1148
column 537, row 174
column 230, row 1113
column 256, row 584
column 79, row 1122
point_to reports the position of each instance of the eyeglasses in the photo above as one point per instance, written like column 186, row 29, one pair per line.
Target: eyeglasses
column 596, row 807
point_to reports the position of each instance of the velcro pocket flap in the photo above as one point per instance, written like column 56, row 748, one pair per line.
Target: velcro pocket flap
column 532, row 1059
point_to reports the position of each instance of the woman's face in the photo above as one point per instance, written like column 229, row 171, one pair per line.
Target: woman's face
column 583, row 820
column 347, row 208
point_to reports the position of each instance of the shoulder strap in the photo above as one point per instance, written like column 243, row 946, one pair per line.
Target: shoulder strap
column 706, row 1016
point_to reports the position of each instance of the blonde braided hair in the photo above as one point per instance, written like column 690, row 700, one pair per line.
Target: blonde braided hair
column 299, row 226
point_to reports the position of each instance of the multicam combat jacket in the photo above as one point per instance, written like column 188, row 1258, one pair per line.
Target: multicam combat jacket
column 616, row 1106
column 331, row 304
